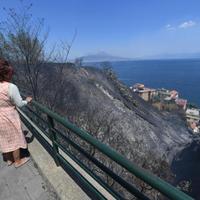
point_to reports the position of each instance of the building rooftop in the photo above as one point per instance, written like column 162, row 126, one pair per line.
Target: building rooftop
column 194, row 112
column 181, row 101
column 146, row 90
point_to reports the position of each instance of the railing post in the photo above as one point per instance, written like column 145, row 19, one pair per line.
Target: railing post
column 53, row 139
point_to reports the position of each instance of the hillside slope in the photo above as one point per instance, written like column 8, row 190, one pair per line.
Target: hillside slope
column 95, row 98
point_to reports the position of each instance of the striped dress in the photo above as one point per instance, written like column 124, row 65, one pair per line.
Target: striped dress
column 11, row 135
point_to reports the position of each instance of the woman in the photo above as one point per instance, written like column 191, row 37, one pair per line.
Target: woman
column 11, row 135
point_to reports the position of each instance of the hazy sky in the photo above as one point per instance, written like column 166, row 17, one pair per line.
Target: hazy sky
column 128, row 28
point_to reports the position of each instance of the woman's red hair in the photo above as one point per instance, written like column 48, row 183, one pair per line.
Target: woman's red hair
column 6, row 71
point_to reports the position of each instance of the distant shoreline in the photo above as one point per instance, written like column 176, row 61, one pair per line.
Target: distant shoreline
column 138, row 59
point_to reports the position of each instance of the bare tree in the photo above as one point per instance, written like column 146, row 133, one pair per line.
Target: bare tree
column 23, row 43
column 57, row 77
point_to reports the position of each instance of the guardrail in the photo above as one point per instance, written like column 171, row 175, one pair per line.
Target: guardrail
column 45, row 120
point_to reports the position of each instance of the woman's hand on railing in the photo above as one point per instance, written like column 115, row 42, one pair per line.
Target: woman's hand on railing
column 29, row 99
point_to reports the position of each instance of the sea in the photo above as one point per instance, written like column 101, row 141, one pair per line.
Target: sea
column 182, row 75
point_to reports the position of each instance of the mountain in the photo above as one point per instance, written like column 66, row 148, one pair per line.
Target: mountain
column 101, row 57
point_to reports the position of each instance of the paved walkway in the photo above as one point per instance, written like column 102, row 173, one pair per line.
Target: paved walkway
column 23, row 183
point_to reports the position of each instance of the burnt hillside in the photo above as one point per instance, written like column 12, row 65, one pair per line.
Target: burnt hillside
column 91, row 93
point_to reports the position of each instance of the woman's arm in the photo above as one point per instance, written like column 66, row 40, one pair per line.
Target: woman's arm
column 15, row 96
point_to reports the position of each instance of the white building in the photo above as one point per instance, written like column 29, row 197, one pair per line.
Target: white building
column 193, row 115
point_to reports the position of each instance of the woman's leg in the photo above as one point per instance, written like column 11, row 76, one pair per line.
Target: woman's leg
column 19, row 161
column 16, row 155
column 8, row 158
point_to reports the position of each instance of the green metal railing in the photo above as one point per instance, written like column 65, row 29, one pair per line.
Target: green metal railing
column 47, row 125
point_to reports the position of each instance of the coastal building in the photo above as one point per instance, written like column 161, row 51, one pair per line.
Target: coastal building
column 138, row 86
column 182, row 103
column 193, row 115
column 173, row 94
column 167, row 94
column 193, row 119
column 194, row 126
column 146, row 93
column 169, row 100
column 165, row 99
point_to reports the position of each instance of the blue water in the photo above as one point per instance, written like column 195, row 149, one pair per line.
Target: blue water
column 181, row 75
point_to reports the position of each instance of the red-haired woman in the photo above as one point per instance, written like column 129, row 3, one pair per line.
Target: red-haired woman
column 11, row 135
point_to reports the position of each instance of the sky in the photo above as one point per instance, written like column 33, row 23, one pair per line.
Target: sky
column 125, row 28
